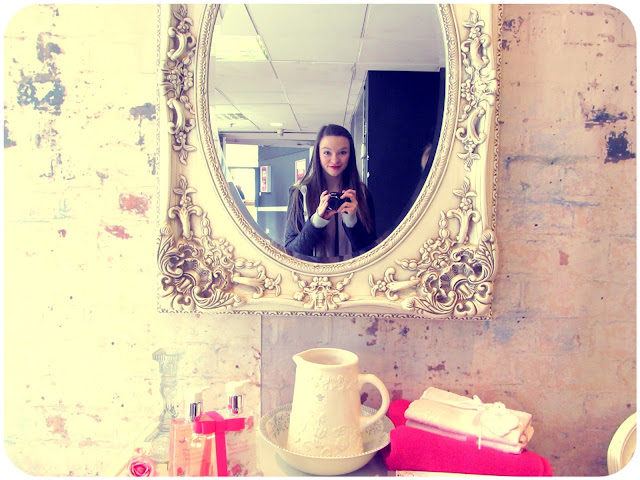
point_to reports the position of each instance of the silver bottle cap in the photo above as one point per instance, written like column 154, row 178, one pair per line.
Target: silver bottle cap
column 193, row 404
column 236, row 403
column 195, row 409
column 235, row 394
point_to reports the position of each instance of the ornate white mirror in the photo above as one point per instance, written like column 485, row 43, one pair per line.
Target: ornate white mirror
column 236, row 79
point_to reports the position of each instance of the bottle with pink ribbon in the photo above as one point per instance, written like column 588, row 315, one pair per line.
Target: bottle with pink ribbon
column 187, row 448
column 241, row 443
column 214, row 443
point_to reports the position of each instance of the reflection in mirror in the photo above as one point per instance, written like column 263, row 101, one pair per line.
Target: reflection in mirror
column 281, row 72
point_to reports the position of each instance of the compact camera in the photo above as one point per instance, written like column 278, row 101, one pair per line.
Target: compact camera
column 335, row 201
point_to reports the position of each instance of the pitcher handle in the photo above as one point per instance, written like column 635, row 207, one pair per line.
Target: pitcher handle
column 376, row 382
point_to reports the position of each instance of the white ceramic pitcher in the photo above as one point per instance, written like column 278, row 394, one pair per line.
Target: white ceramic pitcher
column 326, row 418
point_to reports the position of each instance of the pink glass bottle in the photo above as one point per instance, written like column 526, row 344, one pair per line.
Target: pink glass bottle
column 190, row 454
column 241, row 444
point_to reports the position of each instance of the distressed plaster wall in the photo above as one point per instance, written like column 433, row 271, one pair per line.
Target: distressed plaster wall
column 80, row 170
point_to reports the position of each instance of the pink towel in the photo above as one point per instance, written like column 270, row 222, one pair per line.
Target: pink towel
column 413, row 449
column 396, row 410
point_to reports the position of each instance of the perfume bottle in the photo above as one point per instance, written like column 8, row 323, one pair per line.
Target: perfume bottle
column 190, row 454
column 241, row 444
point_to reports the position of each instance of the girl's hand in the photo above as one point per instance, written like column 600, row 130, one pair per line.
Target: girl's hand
column 322, row 206
column 351, row 206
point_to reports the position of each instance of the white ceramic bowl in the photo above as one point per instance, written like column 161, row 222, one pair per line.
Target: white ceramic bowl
column 274, row 428
column 622, row 445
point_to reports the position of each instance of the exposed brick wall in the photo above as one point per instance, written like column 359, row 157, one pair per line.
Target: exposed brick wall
column 80, row 204
column 567, row 223
column 81, row 189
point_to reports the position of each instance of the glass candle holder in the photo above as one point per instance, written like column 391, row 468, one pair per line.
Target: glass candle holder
column 167, row 359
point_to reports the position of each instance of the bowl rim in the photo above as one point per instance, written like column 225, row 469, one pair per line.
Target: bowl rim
column 618, row 444
column 287, row 407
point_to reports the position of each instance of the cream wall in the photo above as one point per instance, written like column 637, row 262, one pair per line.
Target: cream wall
column 81, row 163
column 80, row 244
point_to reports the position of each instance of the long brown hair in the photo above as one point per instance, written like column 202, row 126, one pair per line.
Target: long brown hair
column 316, row 184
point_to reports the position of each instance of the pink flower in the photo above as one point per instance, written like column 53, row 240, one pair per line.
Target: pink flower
column 141, row 466
column 236, row 470
column 249, row 423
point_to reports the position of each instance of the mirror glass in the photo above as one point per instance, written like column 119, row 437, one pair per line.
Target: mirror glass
column 278, row 73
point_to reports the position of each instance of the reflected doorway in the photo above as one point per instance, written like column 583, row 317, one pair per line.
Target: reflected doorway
column 262, row 176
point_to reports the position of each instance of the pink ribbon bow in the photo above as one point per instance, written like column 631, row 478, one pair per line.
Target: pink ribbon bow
column 212, row 422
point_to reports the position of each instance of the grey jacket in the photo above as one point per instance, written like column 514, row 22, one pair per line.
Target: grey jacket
column 309, row 236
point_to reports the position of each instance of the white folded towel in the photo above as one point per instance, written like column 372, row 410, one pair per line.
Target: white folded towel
column 503, row 447
column 460, row 417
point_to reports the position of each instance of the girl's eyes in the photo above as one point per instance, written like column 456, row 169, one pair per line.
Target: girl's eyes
column 339, row 153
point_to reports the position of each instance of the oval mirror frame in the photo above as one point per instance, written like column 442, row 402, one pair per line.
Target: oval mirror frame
column 439, row 262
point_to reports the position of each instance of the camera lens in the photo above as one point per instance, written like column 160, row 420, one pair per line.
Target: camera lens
column 334, row 201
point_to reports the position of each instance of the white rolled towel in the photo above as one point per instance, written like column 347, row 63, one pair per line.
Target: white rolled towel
column 455, row 416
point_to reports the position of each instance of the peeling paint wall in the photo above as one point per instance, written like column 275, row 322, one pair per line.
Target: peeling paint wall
column 80, row 159
column 568, row 239
column 81, row 165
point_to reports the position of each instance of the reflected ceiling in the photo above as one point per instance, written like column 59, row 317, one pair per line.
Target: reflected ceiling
column 303, row 66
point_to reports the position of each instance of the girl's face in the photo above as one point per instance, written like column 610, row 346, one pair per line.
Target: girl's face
column 334, row 155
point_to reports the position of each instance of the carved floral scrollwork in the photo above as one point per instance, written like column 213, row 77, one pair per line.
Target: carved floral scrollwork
column 177, row 80
column 451, row 277
column 390, row 286
column 465, row 212
column 199, row 271
column 185, row 208
column 478, row 89
column 321, row 292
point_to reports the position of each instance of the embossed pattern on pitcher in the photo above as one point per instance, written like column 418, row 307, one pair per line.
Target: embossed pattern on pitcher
column 324, row 381
column 312, row 433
